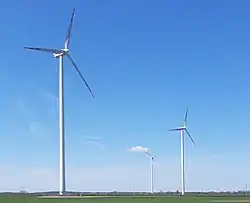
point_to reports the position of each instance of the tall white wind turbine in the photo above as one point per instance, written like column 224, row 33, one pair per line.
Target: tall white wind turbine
column 60, row 53
column 151, row 171
column 183, row 130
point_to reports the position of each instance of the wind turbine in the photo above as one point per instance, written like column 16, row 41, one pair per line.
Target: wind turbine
column 151, row 171
column 60, row 53
column 183, row 130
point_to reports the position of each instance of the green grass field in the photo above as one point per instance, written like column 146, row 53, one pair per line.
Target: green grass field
column 27, row 199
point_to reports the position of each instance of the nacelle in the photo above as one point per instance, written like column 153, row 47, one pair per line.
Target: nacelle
column 56, row 55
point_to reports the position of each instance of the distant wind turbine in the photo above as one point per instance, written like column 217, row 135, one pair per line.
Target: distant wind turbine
column 183, row 130
column 151, row 171
column 145, row 150
column 60, row 53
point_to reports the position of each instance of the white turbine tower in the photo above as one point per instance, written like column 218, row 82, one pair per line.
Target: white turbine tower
column 183, row 130
column 151, row 171
column 60, row 53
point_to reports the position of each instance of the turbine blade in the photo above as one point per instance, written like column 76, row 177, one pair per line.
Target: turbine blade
column 79, row 72
column 149, row 155
column 190, row 137
column 186, row 115
column 67, row 39
column 44, row 49
column 175, row 129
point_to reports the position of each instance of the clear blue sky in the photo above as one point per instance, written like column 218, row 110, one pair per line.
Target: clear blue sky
column 146, row 61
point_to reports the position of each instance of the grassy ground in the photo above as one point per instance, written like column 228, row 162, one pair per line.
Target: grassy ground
column 26, row 199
